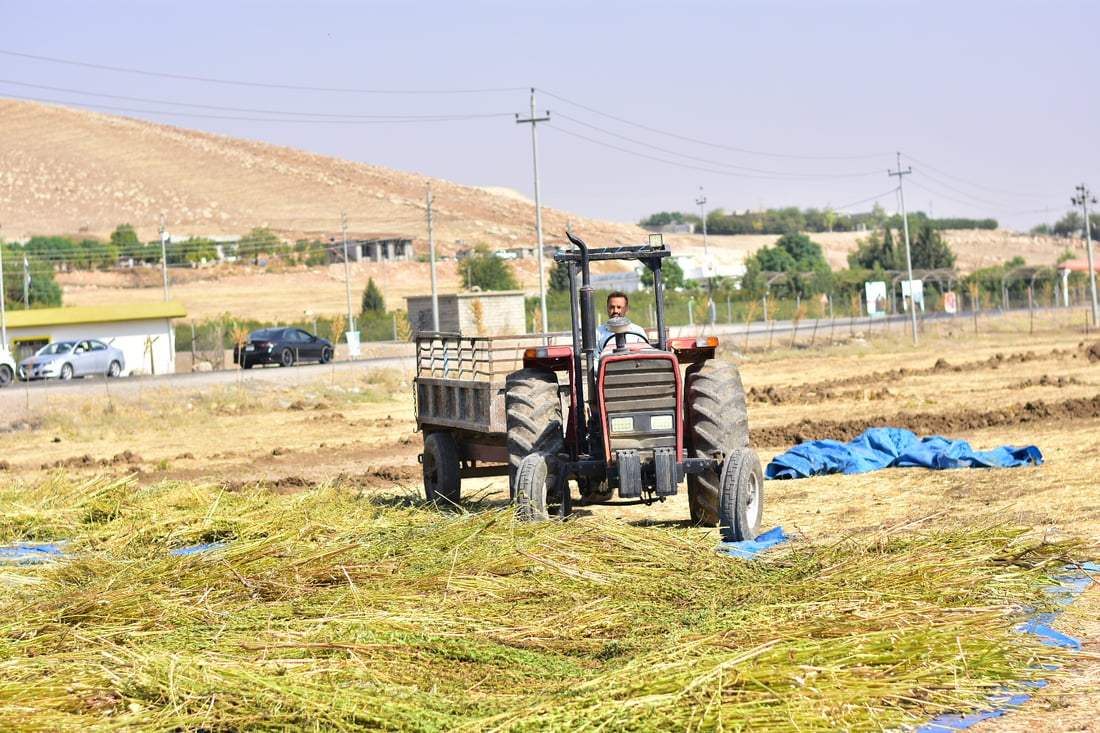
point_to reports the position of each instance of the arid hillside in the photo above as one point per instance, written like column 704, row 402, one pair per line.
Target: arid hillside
column 72, row 172
column 77, row 173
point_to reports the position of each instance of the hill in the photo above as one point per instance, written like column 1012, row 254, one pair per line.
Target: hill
column 76, row 173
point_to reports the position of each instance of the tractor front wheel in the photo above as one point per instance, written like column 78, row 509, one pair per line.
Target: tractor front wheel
column 536, row 494
column 717, row 423
column 741, row 496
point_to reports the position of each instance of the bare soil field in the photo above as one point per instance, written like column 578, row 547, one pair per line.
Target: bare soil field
column 1002, row 386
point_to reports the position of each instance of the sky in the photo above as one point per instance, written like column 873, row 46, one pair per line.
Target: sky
column 652, row 106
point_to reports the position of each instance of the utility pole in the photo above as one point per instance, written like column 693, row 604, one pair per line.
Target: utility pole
column 908, row 255
column 347, row 270
column 3, row 313
column 431, row 258
column 164, row 240
column 701, row 201
column 1084, row 198
column 538, row 204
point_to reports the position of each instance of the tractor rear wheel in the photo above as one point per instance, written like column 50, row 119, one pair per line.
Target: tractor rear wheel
column 741, row 496
column 534, row 417
column 442, row 482
column 717, row 423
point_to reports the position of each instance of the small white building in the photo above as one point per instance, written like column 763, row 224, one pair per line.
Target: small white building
column 489, row 313
column 143, row 332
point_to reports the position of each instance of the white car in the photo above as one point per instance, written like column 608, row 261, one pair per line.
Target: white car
column 7, row 367
column 68, row 359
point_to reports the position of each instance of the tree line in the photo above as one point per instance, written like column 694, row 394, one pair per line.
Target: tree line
column 791, row 219
column 29, row 267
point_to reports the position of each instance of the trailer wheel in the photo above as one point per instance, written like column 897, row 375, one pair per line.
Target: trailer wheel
column 534, row 417
column 442, row 483
column 535, row 491
column 741, row 497
column 717, row 423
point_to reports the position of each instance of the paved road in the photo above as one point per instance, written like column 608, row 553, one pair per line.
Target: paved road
column 19, row 396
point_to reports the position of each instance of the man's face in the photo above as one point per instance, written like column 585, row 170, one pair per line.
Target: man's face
column 616, row 307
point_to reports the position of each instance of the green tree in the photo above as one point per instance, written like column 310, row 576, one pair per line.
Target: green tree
column 1069, row 225
column 672, row 276
column 807, row 253
column 125, row 241
column 260, row 240
column 58, row 250
column 668, row 217
column 876, row 252
column 485, row 271
column 373, row 302
column 796, row 255
column 194, row 249
column 559, row 278
column 42, row 292
column 929, row 251
column 98, row 254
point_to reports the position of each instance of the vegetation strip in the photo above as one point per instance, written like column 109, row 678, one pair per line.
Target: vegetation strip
column 329, row 610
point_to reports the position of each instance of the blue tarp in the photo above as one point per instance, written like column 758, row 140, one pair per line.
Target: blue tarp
column 892, row 447
column 750, row 548
column 1073, row 583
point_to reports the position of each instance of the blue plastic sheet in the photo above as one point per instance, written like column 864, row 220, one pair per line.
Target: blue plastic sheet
column 750, row 548
column 879, row 448
column 27, row 554
column 1072, row 584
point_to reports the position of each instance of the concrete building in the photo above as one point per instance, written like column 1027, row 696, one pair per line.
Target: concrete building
column 391, row 249
column 491, row 313
column 143, row 332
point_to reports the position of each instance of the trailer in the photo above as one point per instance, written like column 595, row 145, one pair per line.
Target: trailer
column 460, row 391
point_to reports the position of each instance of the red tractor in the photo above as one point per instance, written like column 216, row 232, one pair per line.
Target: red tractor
column 631, row 420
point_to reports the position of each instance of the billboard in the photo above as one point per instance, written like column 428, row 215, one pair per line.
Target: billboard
column 876, row 298
column 912, row 290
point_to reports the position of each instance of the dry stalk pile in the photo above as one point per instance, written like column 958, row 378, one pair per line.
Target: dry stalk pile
column 328, row 611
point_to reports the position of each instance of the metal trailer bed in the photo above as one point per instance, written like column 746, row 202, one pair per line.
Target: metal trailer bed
column 459, row 386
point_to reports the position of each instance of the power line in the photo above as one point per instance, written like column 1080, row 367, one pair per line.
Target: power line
column 720, row 146
column 308, row 116
column 707, row 160
column 706, row 169
column 359, row 121
column 259, row 85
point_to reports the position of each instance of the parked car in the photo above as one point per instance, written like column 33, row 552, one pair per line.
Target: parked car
column 7, row 367
column 68, row 359
column 282, row 346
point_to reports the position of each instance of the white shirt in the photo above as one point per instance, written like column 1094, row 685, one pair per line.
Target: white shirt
column 605, row 339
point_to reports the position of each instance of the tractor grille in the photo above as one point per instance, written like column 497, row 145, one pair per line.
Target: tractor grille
column 641, row 409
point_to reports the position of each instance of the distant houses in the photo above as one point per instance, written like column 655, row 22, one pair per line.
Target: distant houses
column 390, row 249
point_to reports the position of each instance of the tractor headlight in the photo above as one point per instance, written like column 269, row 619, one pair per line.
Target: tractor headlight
column 622, row 425
column 660, row 422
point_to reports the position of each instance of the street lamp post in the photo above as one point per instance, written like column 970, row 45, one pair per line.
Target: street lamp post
column 1085, row 198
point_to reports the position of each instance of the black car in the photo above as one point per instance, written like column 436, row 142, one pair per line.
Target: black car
column 282, row 346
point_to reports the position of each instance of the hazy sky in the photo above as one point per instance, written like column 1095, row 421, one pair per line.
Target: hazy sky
column 993, row 103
